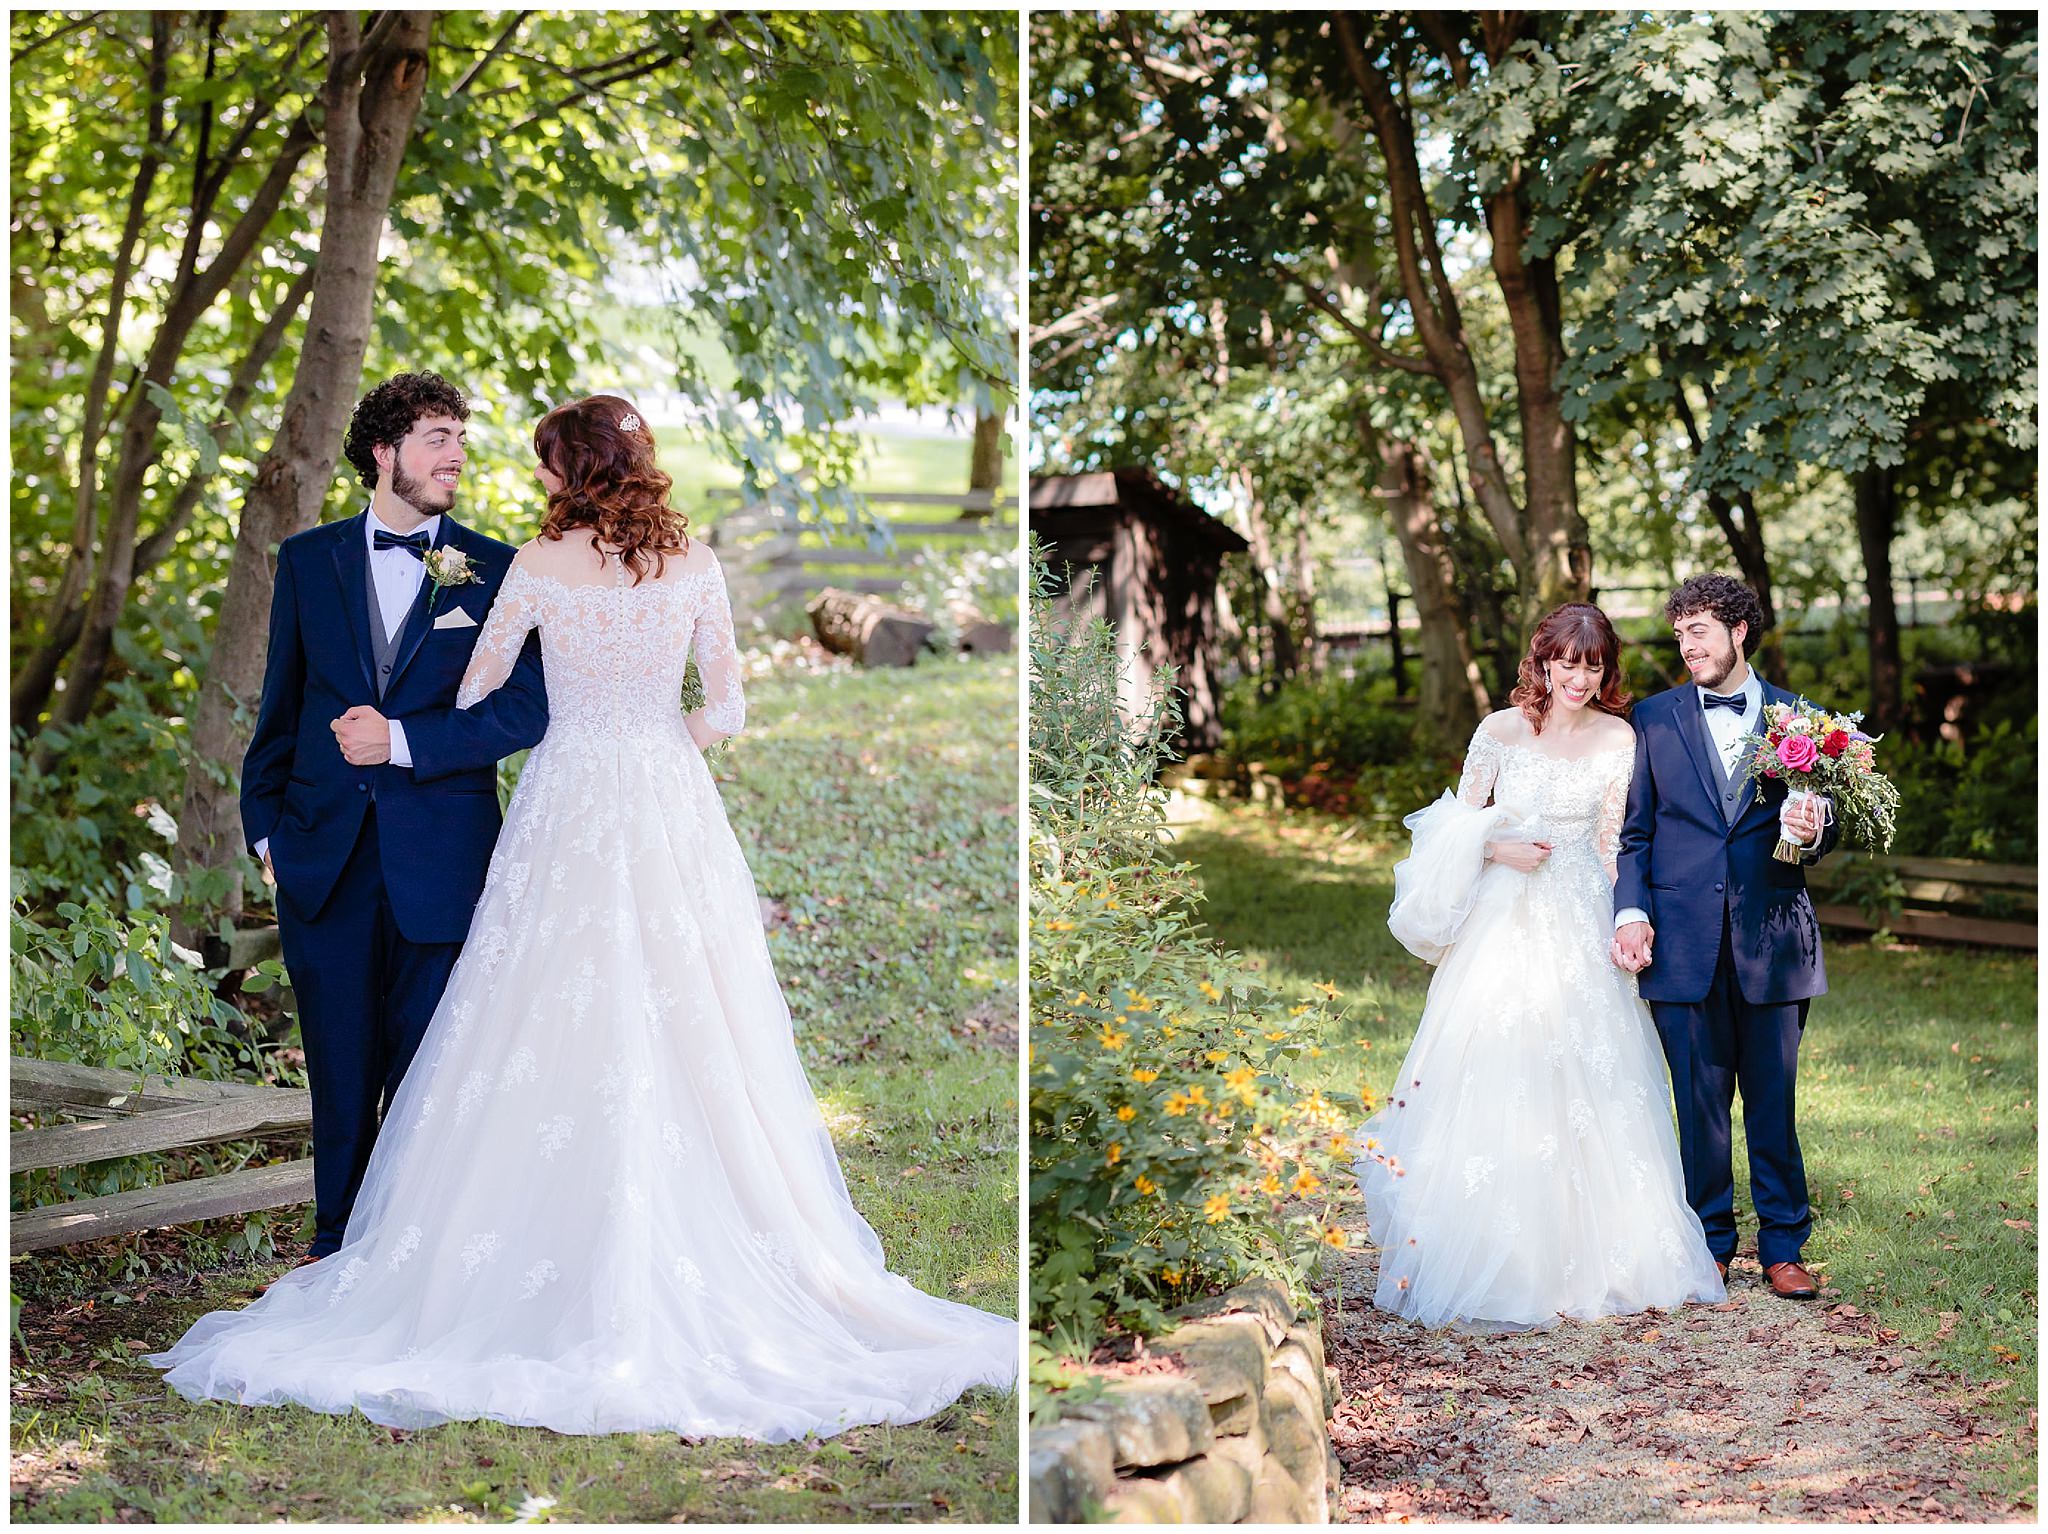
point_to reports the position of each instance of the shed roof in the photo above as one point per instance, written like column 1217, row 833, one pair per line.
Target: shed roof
column 1136, row 490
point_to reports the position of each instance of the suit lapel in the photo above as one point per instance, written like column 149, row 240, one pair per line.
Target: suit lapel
column 1692, row 729
column 352, row 569
column 416, row 618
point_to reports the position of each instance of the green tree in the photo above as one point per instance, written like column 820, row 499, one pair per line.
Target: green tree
column 1824, row 226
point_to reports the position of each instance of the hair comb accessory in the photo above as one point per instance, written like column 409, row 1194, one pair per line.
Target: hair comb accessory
column 629, row 422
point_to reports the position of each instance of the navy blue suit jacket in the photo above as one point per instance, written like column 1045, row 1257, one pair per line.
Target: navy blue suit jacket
column 438, row 819
column 1693, row 871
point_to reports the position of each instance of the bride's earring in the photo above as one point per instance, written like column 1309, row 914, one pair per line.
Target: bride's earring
column 1546, row 681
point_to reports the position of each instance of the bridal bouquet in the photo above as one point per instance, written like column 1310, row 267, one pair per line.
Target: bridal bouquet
column 1814, row 752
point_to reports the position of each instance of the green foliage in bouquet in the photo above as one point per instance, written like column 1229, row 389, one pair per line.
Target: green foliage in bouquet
column 1170, row 1151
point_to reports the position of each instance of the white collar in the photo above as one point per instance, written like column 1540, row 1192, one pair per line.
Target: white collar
column 371, row 522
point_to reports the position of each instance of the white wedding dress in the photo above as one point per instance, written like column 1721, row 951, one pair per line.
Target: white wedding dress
column 1524, row 1165
column 604, row 1199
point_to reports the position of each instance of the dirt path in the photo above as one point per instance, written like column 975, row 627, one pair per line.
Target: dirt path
column 1758, row 1409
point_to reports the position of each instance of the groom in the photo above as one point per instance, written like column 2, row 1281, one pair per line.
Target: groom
column 378, row 835
column 1730, row 984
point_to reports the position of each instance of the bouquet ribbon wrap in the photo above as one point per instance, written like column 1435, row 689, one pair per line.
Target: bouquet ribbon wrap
column 1437, row 884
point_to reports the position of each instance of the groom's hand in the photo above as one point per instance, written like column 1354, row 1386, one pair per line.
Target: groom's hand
column 1631, row 947
column 364, row 736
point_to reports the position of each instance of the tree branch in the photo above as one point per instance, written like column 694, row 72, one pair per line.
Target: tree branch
column 1419, row 366
column 504, row 41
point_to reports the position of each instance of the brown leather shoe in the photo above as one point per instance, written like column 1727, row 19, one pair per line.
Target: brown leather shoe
column 1721, row 1268
column 1790, row 1281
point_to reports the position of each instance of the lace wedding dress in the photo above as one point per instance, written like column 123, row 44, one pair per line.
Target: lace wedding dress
column 604, row 1199
column 1524, row 1166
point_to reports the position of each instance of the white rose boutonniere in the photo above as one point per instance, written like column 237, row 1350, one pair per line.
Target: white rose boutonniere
column 448, row 566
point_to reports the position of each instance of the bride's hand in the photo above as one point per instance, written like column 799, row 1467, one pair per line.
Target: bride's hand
column 1523, row 857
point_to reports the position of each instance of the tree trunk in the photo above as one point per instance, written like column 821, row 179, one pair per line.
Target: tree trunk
column 1272, row 604
column 1305, row 598
column 371, row 97
column 1453, row 694
column 191, row 297
column 1877, row 521
column 985, row 469
column 1745, row 533
column 872, row 631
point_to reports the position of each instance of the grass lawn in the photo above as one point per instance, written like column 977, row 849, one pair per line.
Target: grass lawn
column 880, row 811
column 1916, row 1095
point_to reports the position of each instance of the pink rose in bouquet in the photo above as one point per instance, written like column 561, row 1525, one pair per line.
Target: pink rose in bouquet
column 1798, row 752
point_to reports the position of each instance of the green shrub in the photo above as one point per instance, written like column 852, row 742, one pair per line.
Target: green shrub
column 1983, row 804
column 1337, row 721
column 99, row 989
column 1170, row 1151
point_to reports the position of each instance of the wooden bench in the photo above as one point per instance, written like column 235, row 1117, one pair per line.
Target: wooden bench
column 1941, row 900
column 121, row 1113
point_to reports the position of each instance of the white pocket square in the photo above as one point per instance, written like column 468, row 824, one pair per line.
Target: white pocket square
column 455, row 618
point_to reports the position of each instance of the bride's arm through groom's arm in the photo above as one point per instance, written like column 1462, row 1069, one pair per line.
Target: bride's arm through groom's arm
column 502, row 705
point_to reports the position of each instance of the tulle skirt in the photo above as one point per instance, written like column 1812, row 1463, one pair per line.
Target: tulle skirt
column 604, row 1199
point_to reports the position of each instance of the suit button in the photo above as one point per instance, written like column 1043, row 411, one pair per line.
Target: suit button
column 387, row 670
column 364, row 788
column 1717, row 889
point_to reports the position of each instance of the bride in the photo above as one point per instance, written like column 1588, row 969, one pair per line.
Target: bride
column 1524, row 1166
column 603, row 1199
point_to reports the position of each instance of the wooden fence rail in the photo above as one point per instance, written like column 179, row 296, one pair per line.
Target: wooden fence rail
column 1944, row 900
column 773, row 557
column 121, row 1113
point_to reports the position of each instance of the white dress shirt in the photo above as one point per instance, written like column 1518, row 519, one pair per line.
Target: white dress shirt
column 396, row 576
column 1728, row 728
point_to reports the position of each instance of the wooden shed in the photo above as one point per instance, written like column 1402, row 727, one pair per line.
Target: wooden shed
column 1155, row 559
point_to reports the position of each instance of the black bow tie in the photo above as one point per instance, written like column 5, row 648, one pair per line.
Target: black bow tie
column 1737, row 701
column 418, row 543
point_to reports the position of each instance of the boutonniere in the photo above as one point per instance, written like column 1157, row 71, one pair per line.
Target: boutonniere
column 448, row 566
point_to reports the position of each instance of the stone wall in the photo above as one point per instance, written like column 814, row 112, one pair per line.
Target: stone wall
column 1236, row 1435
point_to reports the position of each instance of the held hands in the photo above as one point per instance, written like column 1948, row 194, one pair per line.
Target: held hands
column 364, row 736
column 1523, row 857
column 1803, row 817
column 1631, row 947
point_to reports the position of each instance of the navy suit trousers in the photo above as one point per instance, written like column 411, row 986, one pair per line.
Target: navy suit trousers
column 1713, row 1046
column 365, row 997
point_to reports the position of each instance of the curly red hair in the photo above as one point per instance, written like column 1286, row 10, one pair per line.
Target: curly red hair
column 1577, row 631
column 601, row 450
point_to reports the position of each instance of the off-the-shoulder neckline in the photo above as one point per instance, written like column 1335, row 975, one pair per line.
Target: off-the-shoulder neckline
column 1590, row 756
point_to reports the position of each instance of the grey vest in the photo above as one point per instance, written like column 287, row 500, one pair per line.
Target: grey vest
column 383, row 646
column 1734, row 791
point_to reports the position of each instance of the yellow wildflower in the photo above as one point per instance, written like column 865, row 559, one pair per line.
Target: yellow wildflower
column 1276, row 1036
column 1216, row 1056
column 1176, row 1105
column 1210, row 991
column 1111, row 1039
column 1297, row 1011
column 1336, row 1238
column 1199, row 1095
column 1115, row 1154
column 1171, row 1275
column 1327, row 989
column 1217, row 1208
column 1127, row 1113
column 1145, row 1184
column 1269, row 1184
column 1306, row 1183
column 1144, row 1075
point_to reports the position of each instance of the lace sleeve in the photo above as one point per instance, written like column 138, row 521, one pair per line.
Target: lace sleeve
column 718, row 667
column 1482, row 768
column 1613, row 807
column 515, row 611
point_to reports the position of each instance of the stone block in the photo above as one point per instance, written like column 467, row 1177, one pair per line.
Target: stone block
column 1278, row 1498
column 1265, row 1298
column 1153, row 1419
column 1071, row 1469
column 1203, row 1490
column 1295, row 1436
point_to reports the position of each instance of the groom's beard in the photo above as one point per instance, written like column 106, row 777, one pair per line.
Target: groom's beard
column 426, row 496
column 1721, row 666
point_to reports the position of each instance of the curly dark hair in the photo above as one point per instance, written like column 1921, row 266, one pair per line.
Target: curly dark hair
column 1576, row 631
column 386, row 414
column 1726, row 598
column 610, row 482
